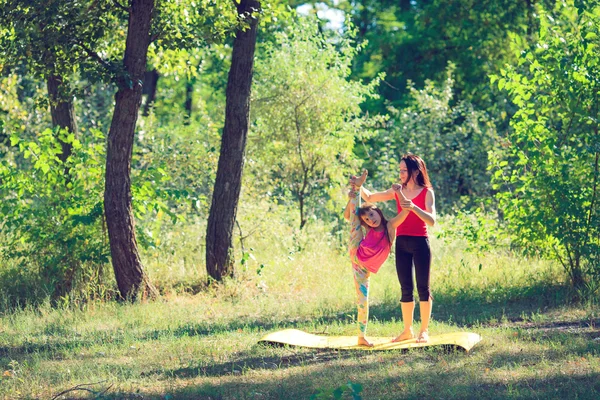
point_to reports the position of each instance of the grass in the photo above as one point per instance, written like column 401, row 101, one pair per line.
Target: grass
column 200, row 342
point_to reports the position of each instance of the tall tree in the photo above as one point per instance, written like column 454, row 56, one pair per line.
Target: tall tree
column 307, row 115
column 221, row 220
column 40, row 39
column 548, row 169
column 129, row 271
column 62, row 111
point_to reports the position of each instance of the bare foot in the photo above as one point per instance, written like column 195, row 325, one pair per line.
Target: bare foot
column 423, row 337
column 359, row 181
column 406, row 335
column 362, row 341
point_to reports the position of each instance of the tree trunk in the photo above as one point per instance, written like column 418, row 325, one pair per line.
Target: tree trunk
column 221, row 220
column 149, row 88
column 189, row 91
column 129, row 271
column 62, row 111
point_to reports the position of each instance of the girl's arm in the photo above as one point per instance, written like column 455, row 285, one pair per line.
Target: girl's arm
column 348, row 210
column 349, row 207
column 427, row 215
column 398, row 219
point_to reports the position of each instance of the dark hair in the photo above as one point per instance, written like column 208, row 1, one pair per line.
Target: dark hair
column 416, row 163
column 364, row 209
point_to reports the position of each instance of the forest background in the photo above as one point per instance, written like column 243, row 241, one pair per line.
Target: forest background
column 137, row 163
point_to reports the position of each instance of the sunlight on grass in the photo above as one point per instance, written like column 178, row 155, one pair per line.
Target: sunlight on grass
column 199, row 341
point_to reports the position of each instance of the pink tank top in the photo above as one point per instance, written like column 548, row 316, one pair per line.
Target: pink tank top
column 413, row 225
column 373, row 250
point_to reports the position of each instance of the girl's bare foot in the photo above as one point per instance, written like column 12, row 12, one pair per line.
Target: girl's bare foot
column 361, row 179
column 423, row 336
column 362, row 341
column 406, row 335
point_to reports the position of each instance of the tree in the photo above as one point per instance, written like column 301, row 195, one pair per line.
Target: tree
column 415, row 40
column 120, row 223
column 45, row 39
column 547, row 169
column 452, row 137
column 223, row 209
column 307, row 114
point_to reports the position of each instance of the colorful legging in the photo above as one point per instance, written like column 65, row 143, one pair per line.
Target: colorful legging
column 361, row 274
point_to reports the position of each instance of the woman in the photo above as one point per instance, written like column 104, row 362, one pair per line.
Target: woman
column 412, row 243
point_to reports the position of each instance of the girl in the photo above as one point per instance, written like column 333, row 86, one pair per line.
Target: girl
column 412, row 243
column 367, row 252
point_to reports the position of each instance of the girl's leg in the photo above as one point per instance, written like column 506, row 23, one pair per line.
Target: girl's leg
column 361, row 283
column 356, row 233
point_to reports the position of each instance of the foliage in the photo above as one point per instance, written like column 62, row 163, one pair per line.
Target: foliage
column 546, row 170
column 353, row 389
column 415, row 40
column 306, row 115
column 452, row 138
column 52, row 224
column 173, row 173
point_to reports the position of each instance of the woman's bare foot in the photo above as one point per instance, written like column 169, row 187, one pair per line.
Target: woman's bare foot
column 423, row 336
column 362, row 341
column 406, row 335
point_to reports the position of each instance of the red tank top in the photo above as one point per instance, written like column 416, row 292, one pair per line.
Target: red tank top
column 413, row 225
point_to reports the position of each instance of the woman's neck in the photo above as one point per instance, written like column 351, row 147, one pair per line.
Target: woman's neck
column 412, row 185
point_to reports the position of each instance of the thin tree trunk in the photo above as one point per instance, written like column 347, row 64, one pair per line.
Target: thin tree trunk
column 129, row 272
column 189, row 91
column 150, row 84
column 223, row 210
column 62, row 111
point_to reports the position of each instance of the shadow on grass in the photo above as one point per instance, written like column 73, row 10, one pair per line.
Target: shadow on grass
column 475, row 307
column 465, row 308
column 255, row 377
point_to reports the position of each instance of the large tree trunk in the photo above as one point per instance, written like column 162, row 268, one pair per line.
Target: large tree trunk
column 129, row 271
column 62, row 111
column 221, row 220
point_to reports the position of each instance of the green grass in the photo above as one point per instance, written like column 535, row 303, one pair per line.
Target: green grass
column 200, row 342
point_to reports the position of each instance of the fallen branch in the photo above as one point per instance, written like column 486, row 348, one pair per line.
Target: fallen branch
column 82, row 387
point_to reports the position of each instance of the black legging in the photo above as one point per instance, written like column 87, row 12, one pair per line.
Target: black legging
column 409, row 249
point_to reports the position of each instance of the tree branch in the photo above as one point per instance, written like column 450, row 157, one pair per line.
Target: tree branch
column 95, row 56
column 121, row 6
column 81, row 387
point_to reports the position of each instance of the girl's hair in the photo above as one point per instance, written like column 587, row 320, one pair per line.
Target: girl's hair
column 416, row 163
column 364, row 209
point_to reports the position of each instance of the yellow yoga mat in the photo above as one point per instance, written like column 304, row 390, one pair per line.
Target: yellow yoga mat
column 295, row 337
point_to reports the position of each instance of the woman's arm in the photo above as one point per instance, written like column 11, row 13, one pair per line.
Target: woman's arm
column 367, row 195
column 427, row 215
column 401, row 216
